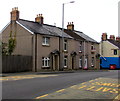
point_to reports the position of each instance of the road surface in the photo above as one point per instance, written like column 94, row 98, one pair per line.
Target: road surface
column 76, row 85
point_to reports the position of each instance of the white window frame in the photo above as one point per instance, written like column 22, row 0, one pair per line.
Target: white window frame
column 80, row 62
column 92, row 61
column 80, row 48
column 65, row 61
column 45, row 62
column 92, row 46
column 65, row 44
column 46, row 41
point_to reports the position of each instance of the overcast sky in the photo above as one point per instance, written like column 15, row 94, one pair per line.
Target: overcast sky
column 93, row 17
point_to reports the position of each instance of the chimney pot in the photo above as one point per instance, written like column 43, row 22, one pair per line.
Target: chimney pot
column 70, row 26
column 39, row 19
column 112, row 37
column 118, row 39
column 104, row 36
column 14, row 14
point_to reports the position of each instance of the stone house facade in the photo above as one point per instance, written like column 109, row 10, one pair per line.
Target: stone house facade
column 50, row 47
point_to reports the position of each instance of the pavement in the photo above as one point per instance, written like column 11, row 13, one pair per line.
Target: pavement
column 47, row 72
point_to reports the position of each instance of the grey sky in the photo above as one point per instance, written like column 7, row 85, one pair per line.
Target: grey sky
column 93, row 17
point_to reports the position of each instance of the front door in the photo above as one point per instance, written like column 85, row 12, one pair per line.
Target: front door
column 72, row 62
column 55, row 62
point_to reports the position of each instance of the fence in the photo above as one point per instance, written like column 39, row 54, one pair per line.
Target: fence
column 16, row 63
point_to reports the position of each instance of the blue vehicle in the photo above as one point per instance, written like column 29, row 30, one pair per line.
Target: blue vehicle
column 110, row 52
column 110, row 62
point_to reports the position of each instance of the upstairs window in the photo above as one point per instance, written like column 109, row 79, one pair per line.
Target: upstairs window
column 46, row 41
column 92, row 47
column 80, row 47
column 115, row 51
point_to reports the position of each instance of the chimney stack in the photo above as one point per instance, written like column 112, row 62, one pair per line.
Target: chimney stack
column 70, row 26
column 39, row 19
column 104, row 36
column 14, row 14
column 112, row 37
column 118, row 39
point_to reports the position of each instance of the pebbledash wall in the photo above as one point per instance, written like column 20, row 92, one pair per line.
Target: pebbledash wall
column 110, row 51
column 29, row 42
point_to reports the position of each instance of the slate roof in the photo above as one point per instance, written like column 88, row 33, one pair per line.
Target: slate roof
column 84, row 36
column 116, row 43
column 45, row 29
column 74, row 35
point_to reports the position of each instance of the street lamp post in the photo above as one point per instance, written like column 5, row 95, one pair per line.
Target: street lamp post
column 63, row 13
column 63, row 31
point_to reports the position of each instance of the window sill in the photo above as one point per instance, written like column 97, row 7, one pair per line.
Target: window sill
column 65, row 66
column 46, row 45
column 45, row 66
column 80, row 51
column 65, row 51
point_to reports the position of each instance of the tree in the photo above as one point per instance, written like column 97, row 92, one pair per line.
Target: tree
column 8, row 48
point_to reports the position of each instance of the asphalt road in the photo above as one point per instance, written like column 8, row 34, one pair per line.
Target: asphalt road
column 35, row 87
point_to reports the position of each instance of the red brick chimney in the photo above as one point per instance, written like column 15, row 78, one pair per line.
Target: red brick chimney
column 104, row 36
column 39, row 19
column 70, row 26
column 118, row 39
column 14, row 14
column 112, row 37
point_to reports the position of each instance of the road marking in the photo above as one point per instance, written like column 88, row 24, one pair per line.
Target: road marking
column 90, row 88
column 60, row 90
column 24, row 77
column 117, row 98
column 83, row 83
column 73, row 86
column 91, row 80
column 82, row 87
column 100, row 85
column 41, row 96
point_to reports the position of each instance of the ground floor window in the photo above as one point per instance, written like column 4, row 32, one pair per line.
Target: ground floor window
column 92, row 62
column 80, row 62
column 45, row 62
column 65, row 61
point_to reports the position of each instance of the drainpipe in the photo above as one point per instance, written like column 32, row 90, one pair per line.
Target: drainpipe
column 35, row 52
column 84, row 54
column 59, row 55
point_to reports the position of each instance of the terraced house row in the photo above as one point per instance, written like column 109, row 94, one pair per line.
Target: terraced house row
column 49, row 46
